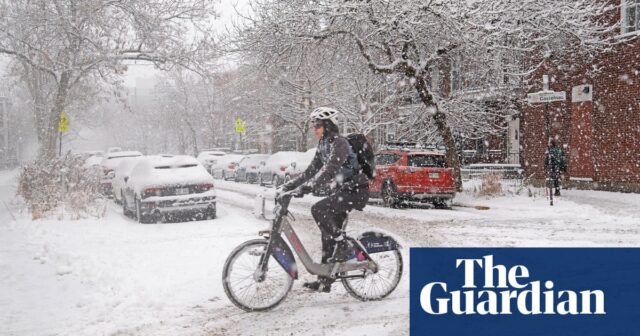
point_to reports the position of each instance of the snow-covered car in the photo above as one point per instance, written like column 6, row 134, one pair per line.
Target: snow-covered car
column 114, row 149
column 109, row 163
column 159, row 187
column 90, row 153
column 93, row 160
column 299, row 165
column 209, row 157
column 121, row 175
column 249, row 166
column 273, row 170
column 225, row 167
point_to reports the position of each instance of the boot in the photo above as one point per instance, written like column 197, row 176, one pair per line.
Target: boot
column 557, row 193
column 322, row 285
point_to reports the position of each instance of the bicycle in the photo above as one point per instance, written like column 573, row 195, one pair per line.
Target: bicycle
column 371, row 272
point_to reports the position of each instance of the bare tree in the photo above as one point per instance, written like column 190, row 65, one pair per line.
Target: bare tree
column 409, row 37
column 73, row 41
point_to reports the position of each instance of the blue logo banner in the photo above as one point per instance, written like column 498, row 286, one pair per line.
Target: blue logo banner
column 525, row 291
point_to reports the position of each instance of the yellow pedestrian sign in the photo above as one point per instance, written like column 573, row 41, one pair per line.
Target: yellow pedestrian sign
column 240, row 128
column 63, row 124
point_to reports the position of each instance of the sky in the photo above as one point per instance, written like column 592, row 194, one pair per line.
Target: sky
column 144, row 73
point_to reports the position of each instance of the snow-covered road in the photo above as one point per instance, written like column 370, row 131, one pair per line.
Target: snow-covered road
column 113, row 276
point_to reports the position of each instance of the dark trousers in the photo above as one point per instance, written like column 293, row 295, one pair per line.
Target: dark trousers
column 331, row 212
column 555, row 176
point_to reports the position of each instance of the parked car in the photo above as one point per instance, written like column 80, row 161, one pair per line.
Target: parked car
column 273, row 170
column 299, row 165
column 249, row 166
column 93, row 160
column 114, row 149
column 167, row 186
column 109, row 163
column 87, row 154
column 413, row 175
column 121, row 175
column 225, row 167
column 226, row 150
column 209, row 157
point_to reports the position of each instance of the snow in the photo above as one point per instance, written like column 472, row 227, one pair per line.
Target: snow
column 159, row 171
column 123, row 170
column 111, row 161
column 114, row 276
column 93, row 160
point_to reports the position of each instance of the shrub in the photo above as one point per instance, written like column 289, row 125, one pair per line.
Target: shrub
column 491, row 185
column 46, row 185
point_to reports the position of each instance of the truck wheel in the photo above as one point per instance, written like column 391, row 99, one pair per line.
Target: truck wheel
column 389, row 197
column 441, row 203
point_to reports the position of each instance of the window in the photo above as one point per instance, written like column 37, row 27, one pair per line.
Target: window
column 631, row 16
column 424, row 161
column 386, row 159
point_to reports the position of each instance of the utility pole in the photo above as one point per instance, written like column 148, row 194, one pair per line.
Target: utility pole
column 547, row 130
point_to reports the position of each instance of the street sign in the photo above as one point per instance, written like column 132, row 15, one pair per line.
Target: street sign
column 240, row 127
column 546, row 97
column 63, row 125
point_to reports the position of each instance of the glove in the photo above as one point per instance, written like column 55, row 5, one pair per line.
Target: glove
column 287, row 187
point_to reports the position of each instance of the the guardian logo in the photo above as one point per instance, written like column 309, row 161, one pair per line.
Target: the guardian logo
column 506, row 291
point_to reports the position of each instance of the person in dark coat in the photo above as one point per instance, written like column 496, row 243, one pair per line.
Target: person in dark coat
column 555, row 164
column 334, row 164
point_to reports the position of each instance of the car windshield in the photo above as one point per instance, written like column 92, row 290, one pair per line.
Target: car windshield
column 423, row 161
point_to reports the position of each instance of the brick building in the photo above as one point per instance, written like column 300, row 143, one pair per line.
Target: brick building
column 599, row 123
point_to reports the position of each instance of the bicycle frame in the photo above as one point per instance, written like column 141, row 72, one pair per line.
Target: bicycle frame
column 281, row 226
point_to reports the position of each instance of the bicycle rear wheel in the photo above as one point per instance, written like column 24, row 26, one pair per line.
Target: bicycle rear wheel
column 242, row 288
column 376, row 286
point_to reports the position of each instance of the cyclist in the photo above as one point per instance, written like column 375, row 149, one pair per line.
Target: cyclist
column 336, row 165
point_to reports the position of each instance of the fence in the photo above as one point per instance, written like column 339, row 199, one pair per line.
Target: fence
column 511, row 174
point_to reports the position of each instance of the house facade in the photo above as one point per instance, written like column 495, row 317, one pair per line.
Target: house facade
column 599, row 123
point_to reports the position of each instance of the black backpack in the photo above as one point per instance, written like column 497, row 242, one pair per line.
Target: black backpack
column 363, row 150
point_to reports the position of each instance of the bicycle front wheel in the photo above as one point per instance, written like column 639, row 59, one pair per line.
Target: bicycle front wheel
column 240, row 284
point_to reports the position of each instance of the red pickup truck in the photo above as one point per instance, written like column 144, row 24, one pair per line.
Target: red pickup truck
column 412, row 175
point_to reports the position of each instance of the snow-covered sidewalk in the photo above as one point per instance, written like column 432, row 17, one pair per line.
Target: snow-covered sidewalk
column 114, row 276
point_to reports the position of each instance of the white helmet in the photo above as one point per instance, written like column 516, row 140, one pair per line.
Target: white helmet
column 325, row 113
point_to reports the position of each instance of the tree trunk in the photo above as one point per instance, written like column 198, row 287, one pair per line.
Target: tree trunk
column 48, row 148
column 303, row 144
column 444, row 130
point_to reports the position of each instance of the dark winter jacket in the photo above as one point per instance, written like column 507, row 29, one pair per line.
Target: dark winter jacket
column 555, row 159
column 334, row 161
